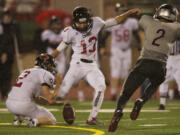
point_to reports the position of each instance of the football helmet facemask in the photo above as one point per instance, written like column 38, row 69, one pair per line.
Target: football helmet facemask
column 46, row 62
column 82, row 21
column 166, row 12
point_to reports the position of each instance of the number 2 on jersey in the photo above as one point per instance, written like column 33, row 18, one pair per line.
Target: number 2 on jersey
column 84, row 45
column 23, row 75
column 162, row 33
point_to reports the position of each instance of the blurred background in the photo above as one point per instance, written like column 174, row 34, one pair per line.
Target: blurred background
column 30, row 18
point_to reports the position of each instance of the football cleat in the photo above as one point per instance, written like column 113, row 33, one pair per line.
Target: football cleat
column 30, row 122
column 115, row 120
column 94, row 121
column 17, row 122
column 136, row 109
column 161, row 107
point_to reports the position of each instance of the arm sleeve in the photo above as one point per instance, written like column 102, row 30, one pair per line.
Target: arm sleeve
column 109, row 23
column 61, row 46
column 48, row 80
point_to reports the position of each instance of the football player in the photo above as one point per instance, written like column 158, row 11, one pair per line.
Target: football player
column 51, row 38
column 173, row 73
column 83, row 35
column 30, row 84
column 120, row 60
column 161, row 31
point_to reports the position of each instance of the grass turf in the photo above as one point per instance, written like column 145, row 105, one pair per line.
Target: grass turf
column 148, row 123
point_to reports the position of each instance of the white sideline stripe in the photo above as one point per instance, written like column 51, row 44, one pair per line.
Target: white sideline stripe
column 4, row 110
column 153, row 125
column 173, row 104
column 125, row 119
column 162, row 118
column 125, row 110
column 175, row 108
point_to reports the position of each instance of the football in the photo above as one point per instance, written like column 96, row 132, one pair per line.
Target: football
column 68, row 114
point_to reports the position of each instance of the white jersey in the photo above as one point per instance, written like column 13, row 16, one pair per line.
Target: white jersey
column 51, row 37
column 29, row 84
column 84, row 46
column 122, row 34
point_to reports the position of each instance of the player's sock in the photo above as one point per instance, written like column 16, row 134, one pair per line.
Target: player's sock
column 171, row 94
column 80, row 96
column 36, row 122
column 97, row 102
column 162, row 101
column 113, row 94
column 113, row 91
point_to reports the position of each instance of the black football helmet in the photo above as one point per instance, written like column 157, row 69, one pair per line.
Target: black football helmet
column 166, row 12
column 46, row 62
column 82, row 15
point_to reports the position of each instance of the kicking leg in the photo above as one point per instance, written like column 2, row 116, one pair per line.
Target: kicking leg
column 134, row 80
column 155, row 80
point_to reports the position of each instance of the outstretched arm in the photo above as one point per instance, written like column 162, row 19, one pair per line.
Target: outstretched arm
column 60, row 48
column 118, row 19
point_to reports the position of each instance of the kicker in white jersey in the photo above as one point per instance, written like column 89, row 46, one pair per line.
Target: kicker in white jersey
column 84, row 45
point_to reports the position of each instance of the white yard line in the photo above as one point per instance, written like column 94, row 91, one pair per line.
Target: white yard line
column 173, row 104
column 162, row 118
column 174, row 108
column 4, row 110
column 125, row 110
column 153, row 125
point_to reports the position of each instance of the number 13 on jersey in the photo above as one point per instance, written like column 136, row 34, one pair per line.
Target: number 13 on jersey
column 85, row 45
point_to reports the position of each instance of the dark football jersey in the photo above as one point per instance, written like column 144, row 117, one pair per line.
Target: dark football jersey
column 159, row 38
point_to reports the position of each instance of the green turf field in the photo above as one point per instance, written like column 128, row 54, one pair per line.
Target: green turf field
column 150, row 121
